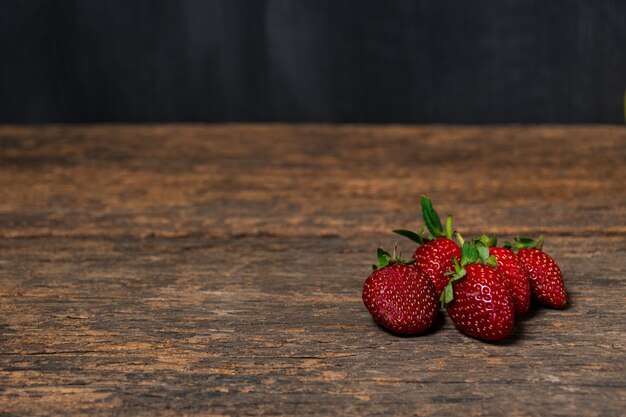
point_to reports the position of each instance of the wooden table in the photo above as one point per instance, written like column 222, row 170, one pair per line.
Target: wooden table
column 218, row 269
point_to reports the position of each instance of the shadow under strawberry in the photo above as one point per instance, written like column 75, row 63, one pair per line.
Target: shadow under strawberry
column 437, row 324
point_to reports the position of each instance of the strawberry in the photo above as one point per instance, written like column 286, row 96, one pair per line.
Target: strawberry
column 399, row 296
column 434, row 256
column 514, row 273
column 476, row 297
column 546, row 279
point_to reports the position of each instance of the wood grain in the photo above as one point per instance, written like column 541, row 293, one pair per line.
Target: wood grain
column 217, row 270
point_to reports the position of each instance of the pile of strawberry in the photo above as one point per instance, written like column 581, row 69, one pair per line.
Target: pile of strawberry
column 483, row 287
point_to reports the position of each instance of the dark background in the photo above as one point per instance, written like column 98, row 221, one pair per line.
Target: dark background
column 320, row 61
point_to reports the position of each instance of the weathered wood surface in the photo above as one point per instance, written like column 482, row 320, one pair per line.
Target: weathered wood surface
column 217, row 270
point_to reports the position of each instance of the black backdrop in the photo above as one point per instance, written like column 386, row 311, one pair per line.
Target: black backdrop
column 320, row 60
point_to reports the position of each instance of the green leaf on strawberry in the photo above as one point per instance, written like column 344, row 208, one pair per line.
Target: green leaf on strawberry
column 431, row 218
column 419, row 238
column 386, row 259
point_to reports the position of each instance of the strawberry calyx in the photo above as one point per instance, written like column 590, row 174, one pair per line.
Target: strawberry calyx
column 432, row 220
column 385, row 259
column 489, row 241
column 433, row 225
column 522, row 242
column 420, row 237
column 472, row 252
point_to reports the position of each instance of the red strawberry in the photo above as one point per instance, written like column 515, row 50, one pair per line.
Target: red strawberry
column 546, row 279
column 434, row 257
column 476, row 298
column 399, row 296
column 515, row 278
column 514, row 274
